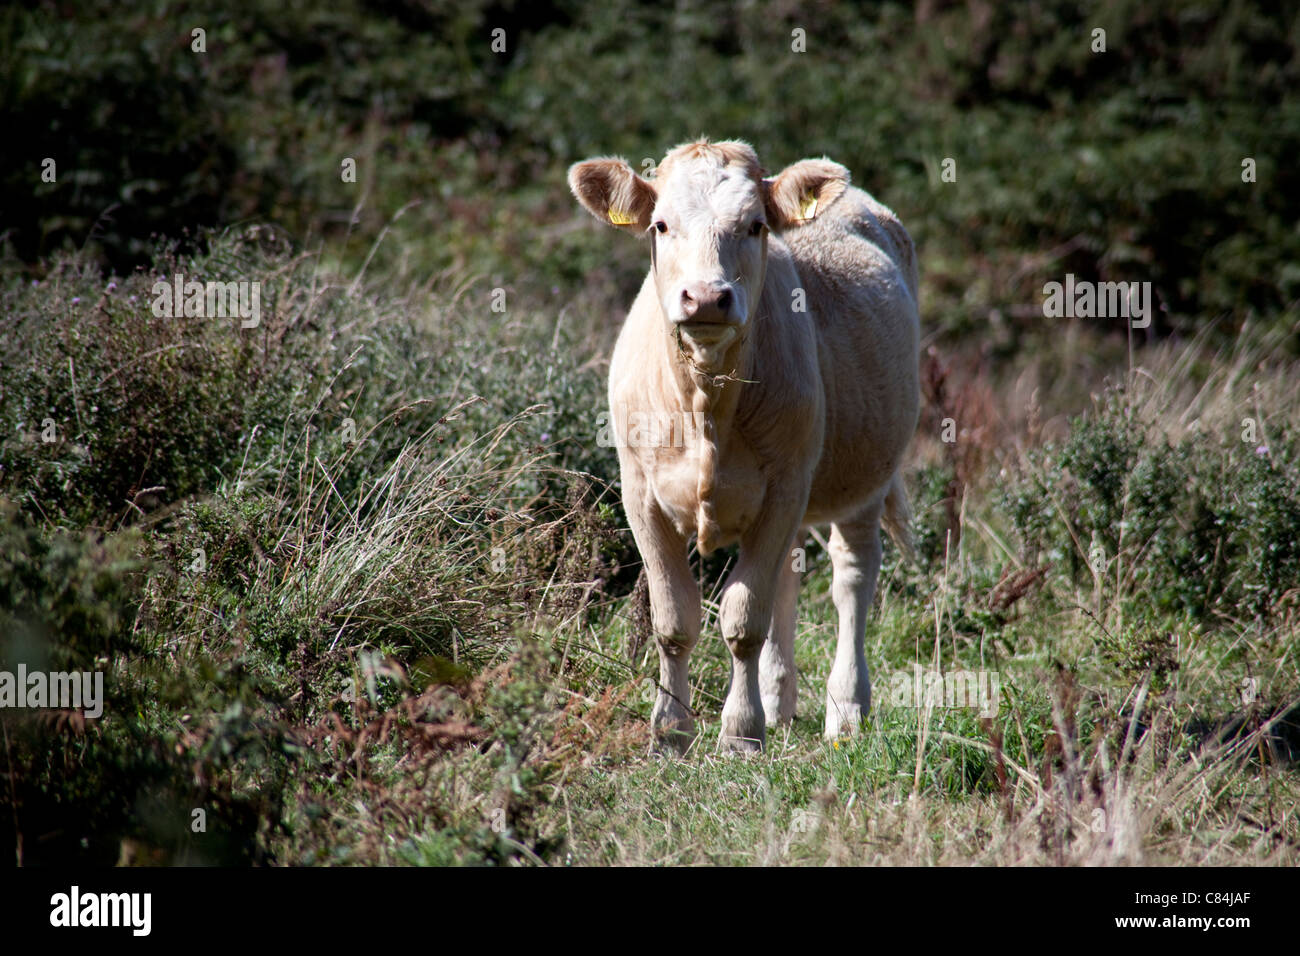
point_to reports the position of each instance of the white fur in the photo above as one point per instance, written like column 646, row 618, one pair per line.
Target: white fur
column 804, row 415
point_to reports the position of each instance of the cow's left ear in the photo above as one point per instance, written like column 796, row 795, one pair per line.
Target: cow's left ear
column 611, row 191
column 800, row 193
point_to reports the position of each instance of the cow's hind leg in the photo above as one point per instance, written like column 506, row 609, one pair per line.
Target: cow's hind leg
column 777, row 680
column 855, row 559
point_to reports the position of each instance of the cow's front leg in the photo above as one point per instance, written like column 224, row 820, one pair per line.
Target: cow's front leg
column 855, row 559
column 674, row 615
column 745, row 616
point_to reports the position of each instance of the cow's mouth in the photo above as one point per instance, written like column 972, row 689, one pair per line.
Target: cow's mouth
column 705, row 344
column 709, row 335
column 706, row 329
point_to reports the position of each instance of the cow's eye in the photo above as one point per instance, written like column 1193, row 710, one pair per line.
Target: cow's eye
column 661, row 227
column 756, row 227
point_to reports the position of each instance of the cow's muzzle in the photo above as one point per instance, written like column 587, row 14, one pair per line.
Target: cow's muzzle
column 702, row 304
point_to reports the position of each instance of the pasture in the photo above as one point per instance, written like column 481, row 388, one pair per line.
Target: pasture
column 354, row 563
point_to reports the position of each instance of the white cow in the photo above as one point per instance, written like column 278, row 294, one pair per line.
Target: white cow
column 774, row 344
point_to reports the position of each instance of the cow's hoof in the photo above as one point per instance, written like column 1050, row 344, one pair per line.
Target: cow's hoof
column 672, row 728
column 672, row 741
column 843, row 718
column 739, row 736
column 740, row 745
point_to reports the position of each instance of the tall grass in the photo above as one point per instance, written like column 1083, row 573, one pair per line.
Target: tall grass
column 362, row 590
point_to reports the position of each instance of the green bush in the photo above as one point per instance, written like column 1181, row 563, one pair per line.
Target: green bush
column 241, row 559
column 92, row 789
column 1205, row 524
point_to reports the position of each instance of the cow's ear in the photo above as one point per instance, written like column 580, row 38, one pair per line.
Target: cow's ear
column 801, row 193
column 612, row 192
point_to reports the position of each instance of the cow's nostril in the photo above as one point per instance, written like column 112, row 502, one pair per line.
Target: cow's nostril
column 724, row 300
column 689, row 305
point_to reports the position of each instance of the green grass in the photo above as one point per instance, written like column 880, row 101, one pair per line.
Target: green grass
column 413, row 647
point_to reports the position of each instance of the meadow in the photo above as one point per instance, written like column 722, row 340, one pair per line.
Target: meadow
column 358, row 575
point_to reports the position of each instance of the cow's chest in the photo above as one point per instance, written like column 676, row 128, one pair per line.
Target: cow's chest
column 710, row 490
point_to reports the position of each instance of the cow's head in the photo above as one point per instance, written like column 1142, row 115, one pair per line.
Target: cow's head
column 707, row 212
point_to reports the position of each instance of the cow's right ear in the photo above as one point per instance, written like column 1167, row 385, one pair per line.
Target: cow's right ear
column 611, row 191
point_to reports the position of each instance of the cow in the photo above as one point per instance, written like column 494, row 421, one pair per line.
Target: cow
column 777, row 333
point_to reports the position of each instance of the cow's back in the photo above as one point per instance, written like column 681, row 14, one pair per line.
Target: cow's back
column 858, row 267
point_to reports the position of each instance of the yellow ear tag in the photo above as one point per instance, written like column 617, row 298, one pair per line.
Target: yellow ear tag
column 808, row 205
column 620, row 218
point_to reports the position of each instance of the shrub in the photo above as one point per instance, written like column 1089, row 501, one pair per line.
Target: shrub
column 1203, row 524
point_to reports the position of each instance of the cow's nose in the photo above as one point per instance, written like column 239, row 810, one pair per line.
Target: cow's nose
column 706, row 302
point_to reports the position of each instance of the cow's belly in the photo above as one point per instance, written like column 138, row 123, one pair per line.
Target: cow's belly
column 840, row 496
column 738, row 492
column 850, row 477
column 867, row 434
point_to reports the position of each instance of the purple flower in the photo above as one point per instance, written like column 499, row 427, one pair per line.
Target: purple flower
column 76, row 299
column 1261, row 450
